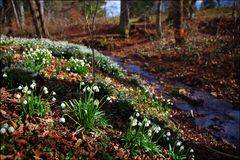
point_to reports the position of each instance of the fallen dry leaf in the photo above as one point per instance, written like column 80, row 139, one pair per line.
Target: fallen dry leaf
column 4, row 114
column 3, row 157
column 21, row 141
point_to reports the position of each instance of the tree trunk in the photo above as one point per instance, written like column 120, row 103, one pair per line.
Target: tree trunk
column 16, row 15
column 22, row 17
column 38, row 19
column 158, row 20
column 191, row 8
column 124, row 18
column 185, row 8
column 41, row 4
column 177, row 21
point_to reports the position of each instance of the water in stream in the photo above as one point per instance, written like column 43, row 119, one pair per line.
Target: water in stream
column 217, row 114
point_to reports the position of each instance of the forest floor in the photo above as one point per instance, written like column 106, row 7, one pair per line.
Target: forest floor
column 207, row 61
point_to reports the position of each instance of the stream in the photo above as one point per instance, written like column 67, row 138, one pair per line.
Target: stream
column 218, row 115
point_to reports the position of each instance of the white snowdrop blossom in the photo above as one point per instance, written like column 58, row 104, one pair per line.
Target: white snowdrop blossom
column 20, row 87
column 191, row 150
column 168, row 134
column 53, row 99
column 33, row 85
column 137, row 114
column 134, row 123
column 150, row 133
column 157, row 129
column 29, row 92
column 45, row 91
column 4, row 75
column 96, row 88
column 179, row 143
column 147, row 123
column 182, row 148
column 54, row 93
column 84, row 89
column 2, row 131
column 96, row 102
column 67, row 69
column 25, row 102
column 139, row 124
column 88, row 89
column 25, row 89
column 167, row 139
column 131, row 117
column 5, row 125
column 63, row 105
column 82, row 83
column 62, row 120
column 18, row 96
column 11, row 129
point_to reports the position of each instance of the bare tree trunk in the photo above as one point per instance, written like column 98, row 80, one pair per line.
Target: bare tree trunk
column 38, row 19
column 158, row 20
column 22, row 17
column 1, row 16
column 41, row 4
column 124, row 18
column 177, row 21
column 186, row 4
column 16, row 15
column 191, row 8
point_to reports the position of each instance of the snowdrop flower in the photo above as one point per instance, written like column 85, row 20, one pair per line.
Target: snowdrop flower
column 62, row 120
column 45, row 88
column 46, row 92
column 168, row 134
column 95, row 88
column 63, row 105
column 191, row 150
column 148, row 122
column 4, row 75
column 96, row 102
column 25, row 89
column 84, row 89
column 54, row 93
column 131, row 117
column 139, row 124
column 18, row 96
column 167, row 138
column 179, row 143
column 25, row 102
column 20, row 87
column 29, row 92
column 182, row 147
column 157, row 129
column 67, row 69
column 134, row 123
column 2, row 131
column 33, row 85
column 137, row 114
column 11, row 129
column 5, row 125
column 150, row 133
column 53, row 99
column 88, row 89
column 82, row 83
